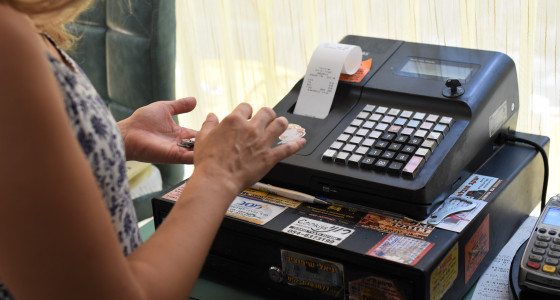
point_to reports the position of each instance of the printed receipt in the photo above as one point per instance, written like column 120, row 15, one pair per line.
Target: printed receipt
column 321, row 78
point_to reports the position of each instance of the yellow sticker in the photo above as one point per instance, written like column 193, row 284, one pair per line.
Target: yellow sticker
column 444, row 274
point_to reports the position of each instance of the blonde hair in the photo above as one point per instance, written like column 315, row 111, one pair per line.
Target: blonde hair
column 51, row 16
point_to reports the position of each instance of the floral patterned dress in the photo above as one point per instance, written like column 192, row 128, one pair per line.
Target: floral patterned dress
column 101, row 142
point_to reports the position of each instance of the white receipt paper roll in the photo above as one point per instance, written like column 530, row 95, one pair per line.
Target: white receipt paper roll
column 321, row 78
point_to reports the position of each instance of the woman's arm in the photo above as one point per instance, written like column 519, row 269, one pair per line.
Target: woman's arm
column 55, row 230
column 56, row 233
column 228, row 158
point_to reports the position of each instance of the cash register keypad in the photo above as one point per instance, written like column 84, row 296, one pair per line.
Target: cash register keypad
column 389, row 140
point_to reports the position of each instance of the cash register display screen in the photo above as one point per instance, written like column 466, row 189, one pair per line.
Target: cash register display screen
column 552, row 217
column 436, row 69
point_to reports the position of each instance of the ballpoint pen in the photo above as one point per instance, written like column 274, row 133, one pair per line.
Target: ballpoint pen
column 294, row 195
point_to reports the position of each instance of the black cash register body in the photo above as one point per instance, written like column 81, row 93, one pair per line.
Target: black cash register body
column 404, row 77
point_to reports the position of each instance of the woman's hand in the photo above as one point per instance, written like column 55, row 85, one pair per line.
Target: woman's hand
column 150, row 134
column 237, row 152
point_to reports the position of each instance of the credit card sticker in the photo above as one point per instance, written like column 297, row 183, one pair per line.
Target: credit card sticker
column 254, row 211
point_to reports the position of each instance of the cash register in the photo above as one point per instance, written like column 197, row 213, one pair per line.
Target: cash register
column 421, row 124
column 402, row 139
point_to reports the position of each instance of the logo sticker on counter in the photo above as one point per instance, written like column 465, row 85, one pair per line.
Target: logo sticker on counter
column 479, row 187
column 318, row 231
column 253, row 211
column 313, row 273
column 396, row 225
column 401, row 249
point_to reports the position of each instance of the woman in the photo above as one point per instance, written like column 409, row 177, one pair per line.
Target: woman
column 67, row 226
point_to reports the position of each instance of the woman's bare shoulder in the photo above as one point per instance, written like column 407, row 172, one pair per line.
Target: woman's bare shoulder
column 15, row 27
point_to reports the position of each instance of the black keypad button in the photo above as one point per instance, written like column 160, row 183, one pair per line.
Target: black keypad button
column 395, row 168
column 388, row 155
column 375, row 152
column 367, row 163
column 395, row 147
column 388, row 136
column 381, row 144
column 408, row 149
column 402, row 157
column 401, row 139
column 416, row 141
column 380, row 164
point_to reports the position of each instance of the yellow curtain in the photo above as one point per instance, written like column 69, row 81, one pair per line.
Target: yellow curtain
column 230, row 51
